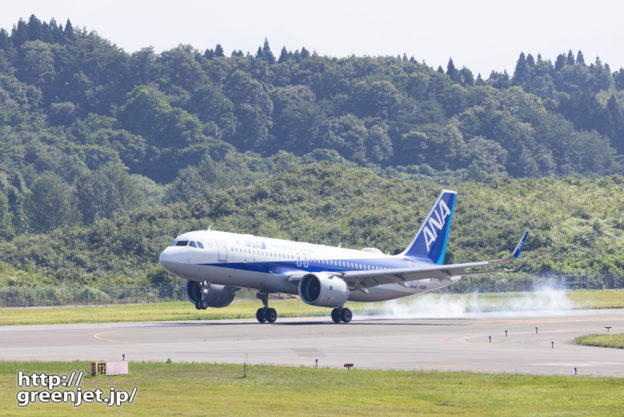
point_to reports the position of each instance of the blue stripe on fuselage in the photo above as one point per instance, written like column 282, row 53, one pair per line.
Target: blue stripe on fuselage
column 324, row 266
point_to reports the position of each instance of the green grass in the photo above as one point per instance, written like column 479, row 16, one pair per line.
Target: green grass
column 179, row 310
column 286, row 308
column 219, row 390
column 604, row 340
column 597, row 298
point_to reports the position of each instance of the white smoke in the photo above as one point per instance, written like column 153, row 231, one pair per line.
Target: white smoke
column 544, row 299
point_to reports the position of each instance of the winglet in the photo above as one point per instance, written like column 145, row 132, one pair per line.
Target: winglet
column 516, row 252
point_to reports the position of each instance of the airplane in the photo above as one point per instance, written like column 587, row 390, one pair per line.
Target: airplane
column 217, row 264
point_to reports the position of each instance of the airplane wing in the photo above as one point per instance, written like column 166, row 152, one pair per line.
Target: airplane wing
column 366, row 279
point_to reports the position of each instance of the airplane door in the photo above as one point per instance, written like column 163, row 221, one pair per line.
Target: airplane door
column 222, row 253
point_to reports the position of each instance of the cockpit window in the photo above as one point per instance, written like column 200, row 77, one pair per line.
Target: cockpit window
column 192, row 244
column 200, row 245
column 181, row 243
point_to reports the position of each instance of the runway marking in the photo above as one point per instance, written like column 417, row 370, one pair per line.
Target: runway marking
column 103, row 339
column 308, row 352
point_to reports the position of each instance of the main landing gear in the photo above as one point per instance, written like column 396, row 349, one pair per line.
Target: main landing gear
column 265, row 314
column 341, row 314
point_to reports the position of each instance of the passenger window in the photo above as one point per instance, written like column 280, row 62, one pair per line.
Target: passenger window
column 182, row 243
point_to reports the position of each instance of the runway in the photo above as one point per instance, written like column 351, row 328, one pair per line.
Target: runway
column 367, row 342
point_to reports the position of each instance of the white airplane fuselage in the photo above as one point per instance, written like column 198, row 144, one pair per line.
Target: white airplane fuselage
column 273, row 265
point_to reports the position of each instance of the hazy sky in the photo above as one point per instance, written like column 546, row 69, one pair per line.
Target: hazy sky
column 483, row 35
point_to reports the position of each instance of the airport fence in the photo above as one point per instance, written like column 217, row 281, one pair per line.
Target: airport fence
column 532, row 282
column 60, row 295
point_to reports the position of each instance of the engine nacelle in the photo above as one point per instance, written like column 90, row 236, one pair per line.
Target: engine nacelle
column 213, row 294
column 323, row 290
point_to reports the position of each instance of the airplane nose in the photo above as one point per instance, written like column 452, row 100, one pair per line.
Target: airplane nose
column 165, row 259
column 163, row 256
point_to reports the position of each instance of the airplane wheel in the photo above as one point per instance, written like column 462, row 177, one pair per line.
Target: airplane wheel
column 261, row 315
column 203, row 304
column 335, row 315
column 346, row 315
column 198, row 305
column 271, row 315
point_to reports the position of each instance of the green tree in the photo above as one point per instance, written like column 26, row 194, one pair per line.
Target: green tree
column 16, row 194
column 144, row 66
column 193, row 182
column 379, row 147
column 210, row 104
column 267, row 55
column 50, row 204
column 148, row 113
column 95, row 195
column 6, row 226
column 346, row 134
column 376, row 98
column 182, row 69
column 296, row 117
column 521, row 73
column 36, row 63
column 69, row 30
column 219, row 51
column 615, row 124
column 105, row 192
column 451, row 71
column 253, row 109
column 283, row 55
column 19, row 34
column 570, row 59
column 560, row 62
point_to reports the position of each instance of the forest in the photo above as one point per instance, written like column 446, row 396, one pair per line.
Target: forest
column 108, row 155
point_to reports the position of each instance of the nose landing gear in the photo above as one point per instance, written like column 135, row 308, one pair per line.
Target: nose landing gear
column 265, row 314
column 202, row 303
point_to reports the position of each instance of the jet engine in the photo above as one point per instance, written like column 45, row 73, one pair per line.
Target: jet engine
column 204, row 294
column 323, row 290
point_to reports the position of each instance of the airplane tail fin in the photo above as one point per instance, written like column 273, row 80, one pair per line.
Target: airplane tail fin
column 430, row 241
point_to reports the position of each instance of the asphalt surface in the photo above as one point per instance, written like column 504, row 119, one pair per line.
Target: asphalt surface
column 367, row 342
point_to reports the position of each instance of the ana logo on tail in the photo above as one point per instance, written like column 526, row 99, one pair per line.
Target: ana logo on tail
column 435, row 224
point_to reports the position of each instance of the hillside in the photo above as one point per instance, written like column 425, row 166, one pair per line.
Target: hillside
column 574, row 223
column 106, row 155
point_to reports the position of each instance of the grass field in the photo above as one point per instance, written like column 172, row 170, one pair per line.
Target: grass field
column 296, row 308
column 603, row 340
column 220, row 390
